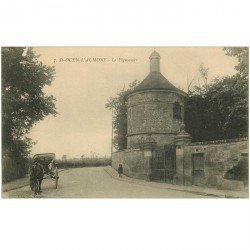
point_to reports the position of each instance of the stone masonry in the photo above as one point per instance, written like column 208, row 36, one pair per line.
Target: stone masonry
column 151, row 112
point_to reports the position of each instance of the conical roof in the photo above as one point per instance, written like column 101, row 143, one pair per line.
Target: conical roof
column 156, row 81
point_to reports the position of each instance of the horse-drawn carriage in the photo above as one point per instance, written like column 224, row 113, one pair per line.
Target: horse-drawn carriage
column 43, row 164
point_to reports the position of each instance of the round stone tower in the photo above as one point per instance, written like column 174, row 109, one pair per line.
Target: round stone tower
column 155, row 107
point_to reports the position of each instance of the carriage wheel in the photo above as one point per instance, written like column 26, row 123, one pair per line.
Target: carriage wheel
column 56, row 176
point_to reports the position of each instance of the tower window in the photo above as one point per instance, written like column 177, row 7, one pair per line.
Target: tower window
column 177, row 111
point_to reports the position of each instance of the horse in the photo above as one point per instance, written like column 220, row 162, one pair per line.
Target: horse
column 36, row 177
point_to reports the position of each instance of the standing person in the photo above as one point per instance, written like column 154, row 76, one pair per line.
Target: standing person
column 120, row 170
column 51, row 168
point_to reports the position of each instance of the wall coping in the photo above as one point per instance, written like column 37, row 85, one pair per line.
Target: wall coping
column 178, row 92
column 128, row 150
column 217, row 141
column 151, row 102
column 192, row 144
column 151, row 132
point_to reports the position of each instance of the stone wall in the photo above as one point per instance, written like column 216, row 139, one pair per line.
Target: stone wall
column 218, row 156
column 161, row 139
column 152, row 112
column 132, row 162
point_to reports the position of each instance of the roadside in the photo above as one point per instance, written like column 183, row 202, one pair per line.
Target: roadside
column 19, row 183
column 190, row 189
column 15, row 184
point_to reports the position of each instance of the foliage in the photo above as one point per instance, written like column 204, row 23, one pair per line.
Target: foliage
column 84, row 162
column 203, row 73
column 242, row 54
column 118, row 106
column 220, row 110
column 23, row 101
column 239, row 172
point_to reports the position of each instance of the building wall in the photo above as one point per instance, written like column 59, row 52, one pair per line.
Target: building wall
column 132, row 162
column 219, row 157
column 152, row 112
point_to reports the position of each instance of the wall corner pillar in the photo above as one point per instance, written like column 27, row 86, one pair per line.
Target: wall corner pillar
column 148, row 148
column 181, row 139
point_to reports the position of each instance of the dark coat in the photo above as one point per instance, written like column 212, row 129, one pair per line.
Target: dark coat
column 120, row 169
column 36, row 171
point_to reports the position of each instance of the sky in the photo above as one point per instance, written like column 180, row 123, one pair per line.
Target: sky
column 85, row 79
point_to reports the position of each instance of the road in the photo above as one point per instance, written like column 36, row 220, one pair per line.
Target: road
column 96, row 183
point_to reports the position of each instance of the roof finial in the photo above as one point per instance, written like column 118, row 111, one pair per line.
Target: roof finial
column 154, row 61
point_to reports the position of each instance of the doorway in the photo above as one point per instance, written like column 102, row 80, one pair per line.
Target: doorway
column 198, row 169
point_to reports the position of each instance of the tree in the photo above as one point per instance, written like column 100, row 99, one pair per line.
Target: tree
column 118, row 105
column 23, row 101
column 220, row 110
column 242, row 54
column 204, row 73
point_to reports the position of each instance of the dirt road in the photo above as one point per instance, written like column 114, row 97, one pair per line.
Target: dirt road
column 95, row 183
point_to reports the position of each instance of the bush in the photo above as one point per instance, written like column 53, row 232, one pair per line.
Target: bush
column 87, row 162
column 239, row 172
column 14, row 168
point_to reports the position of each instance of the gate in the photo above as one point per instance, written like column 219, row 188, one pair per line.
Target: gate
column 163, row 165
column 198, row 169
